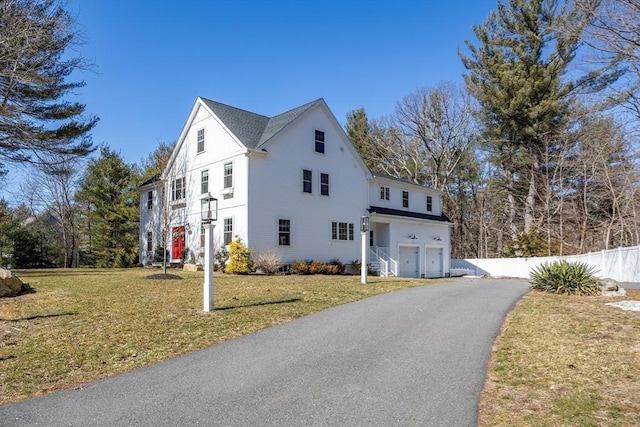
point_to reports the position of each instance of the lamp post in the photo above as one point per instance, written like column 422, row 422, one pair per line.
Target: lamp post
column 208, row 215
column 364, row 229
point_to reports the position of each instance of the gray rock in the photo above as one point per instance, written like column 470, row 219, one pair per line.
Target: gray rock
column 10, row 285
column 608, row 285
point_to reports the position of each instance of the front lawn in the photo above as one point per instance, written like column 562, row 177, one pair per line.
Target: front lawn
column 565, row 361
column 81, row 325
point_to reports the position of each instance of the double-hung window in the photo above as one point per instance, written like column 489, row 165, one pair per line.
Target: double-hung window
column 149, row 241
column 319, row 141
column 324, row 184
column 228, row 230
column 341, row 230
column 150, row 200
column 429, row 204
column 384, row 193
column 204, row 181
column 228, row 175
column 405, row 199
column 178, row 189
column 200, row 140
column 307, row 181
column 284, row 232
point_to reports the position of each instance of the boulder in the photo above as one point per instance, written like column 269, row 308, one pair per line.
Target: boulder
column 192, row 267
column 10, row 285
column 610, row 288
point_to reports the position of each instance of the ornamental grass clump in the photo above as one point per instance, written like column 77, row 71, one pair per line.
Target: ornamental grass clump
column 562, row 277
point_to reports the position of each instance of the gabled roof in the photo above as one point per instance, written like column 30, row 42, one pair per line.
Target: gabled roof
column 252, row 129
column 407, row 214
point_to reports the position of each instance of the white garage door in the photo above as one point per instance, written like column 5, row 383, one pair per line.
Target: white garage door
column 409, row 261
column 433, row 264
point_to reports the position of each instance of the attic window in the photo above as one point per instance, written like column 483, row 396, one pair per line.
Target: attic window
column 319, row 141
column 200, row 140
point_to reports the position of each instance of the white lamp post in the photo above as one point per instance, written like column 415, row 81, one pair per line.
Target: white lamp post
column 364, row 229
column 208, row 215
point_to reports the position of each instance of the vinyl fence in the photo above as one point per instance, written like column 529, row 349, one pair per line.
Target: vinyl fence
column 621, row 264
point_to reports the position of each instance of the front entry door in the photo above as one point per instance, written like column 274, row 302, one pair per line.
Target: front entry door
column 177, row 242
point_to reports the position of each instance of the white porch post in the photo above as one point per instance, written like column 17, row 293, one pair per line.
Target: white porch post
column 208, row 266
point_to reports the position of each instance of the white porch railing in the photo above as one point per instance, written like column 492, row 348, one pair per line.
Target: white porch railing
column 381, row 261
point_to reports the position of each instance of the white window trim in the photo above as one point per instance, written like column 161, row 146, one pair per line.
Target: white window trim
column 350, row 231
column 328, row 184
column 224, row 229
column 387, row 191
column 224, row 174
column 202, row 182
column 278, row 232
column 204, row 139
column 324, row 142
column 302, row 181
column 183, row 189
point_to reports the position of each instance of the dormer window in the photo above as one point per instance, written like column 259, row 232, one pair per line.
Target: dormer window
column 405, row 199
column 319, row 142
column 429, row 204
column 200, row 140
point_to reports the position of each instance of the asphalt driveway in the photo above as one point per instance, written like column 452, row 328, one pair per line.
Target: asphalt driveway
column 415, row 357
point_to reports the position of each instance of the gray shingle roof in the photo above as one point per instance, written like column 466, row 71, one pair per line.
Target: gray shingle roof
column 253, row 129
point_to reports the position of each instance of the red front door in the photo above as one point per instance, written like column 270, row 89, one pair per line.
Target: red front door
column 177, row 242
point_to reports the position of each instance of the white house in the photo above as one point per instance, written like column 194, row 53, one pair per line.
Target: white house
column 293, row 184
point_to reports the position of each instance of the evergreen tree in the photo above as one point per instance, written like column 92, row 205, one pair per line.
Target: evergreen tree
column 108, row 190
column 35, row 36
column 519, row 76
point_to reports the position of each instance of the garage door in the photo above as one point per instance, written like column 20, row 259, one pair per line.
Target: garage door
column 433, row 264
column 409, row 261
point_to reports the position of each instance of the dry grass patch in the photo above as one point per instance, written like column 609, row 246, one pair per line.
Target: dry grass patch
column 565, row 361
column 82, row 325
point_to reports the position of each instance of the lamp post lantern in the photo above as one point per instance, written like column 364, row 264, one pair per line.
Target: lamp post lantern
column 364, row 229
column 208, row 215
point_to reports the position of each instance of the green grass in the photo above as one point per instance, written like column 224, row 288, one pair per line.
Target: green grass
column 82, row 325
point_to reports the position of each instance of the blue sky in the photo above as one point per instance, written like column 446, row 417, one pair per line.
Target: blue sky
column 152, row 58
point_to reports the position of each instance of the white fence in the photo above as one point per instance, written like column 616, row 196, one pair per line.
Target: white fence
column 622, row 264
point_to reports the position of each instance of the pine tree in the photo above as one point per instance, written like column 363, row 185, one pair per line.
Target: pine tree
column 35, row 120
column 109, row 191
column 519, row 75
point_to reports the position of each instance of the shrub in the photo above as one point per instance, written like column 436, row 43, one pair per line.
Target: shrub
column 316, row 267
column 239, row 258
column 562, row 277
column 339, row 266
column 299, row 267
column 355, row 266
column 221, row 257
column 331, row 269
column 269, row 262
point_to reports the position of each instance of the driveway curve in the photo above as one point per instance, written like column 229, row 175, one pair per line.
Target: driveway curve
column 415, row 357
